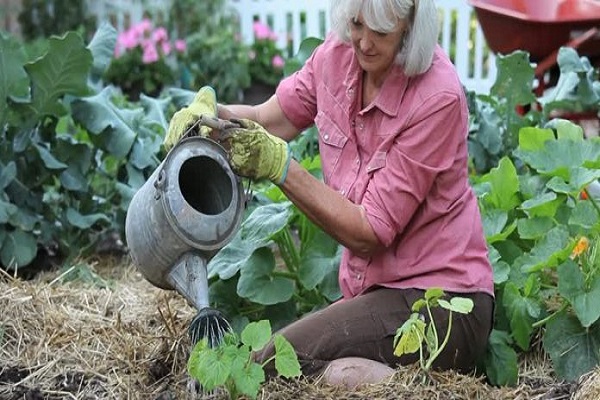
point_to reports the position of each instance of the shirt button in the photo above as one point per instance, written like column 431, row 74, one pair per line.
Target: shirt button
column 357, row 161
column 359, row 276
column 326, row 137
column 361, row 126
column 351, row 90
column 343, row 192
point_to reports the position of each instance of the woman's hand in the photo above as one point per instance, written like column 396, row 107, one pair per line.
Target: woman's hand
column 204, row 103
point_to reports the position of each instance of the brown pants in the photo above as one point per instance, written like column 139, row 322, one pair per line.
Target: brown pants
column 365, row 327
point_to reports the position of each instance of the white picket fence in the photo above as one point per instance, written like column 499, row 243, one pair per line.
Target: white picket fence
column 294, row 20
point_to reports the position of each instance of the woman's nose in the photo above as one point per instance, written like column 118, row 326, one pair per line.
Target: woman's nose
column 366, row 41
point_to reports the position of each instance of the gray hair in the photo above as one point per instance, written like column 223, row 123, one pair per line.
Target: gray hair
column 416, row 52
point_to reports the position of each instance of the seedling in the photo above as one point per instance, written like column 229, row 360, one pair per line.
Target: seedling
column 230, row 365
column 415, row 333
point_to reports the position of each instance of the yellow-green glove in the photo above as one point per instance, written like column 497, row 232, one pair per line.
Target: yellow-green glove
column 204, row 103
column 255, row 153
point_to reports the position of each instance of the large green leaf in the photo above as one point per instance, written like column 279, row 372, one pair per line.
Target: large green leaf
column 514, row 81
column 504, row 185
column 62, row 70
column 102, row 47
column 255, row 232
column 522, row 312
column 14, row 81
column 113, row 127
column 18, row 249
column 583, row 296
column 317, row 258
column 501, row 365
column 551, row 250
column 258, row 282
column 574, row 349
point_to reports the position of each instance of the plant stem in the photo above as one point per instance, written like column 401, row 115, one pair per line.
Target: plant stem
column 432, row 322
column 549, row 317
column 594, row 203
column 439, row 349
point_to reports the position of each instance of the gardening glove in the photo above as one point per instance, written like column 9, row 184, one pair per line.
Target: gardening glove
column 255, row 153
column 204, row 103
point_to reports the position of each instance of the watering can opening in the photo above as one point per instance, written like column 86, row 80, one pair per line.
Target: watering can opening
column 205, row 185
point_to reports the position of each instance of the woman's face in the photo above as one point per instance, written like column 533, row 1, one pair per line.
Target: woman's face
column 375, row 51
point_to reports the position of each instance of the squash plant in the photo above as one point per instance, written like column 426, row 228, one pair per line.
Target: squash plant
column 533, row 219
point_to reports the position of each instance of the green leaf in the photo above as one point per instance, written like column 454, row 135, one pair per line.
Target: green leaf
column 18, row 249
column 194, row 360
column 551, row 250
column 14, row 81
column 583, row 296
column 543, row 205
column 80, row 221
column 514, row 81
column 48, row 159
column 433, row 294
column 501, row 365
column 7, row 210
column 102, row 47
column 574, row 349
column 256, row 335
column 522, row 313
column 255, row 232
column 62, row 70
column 249, row 379
column 458, row 304
column 7, row 175
column 212, row 370
column 494, row 225
column 260, row 284
column 317, row 258
column 534, row 228
column 409, row 336
column 112, row 127
column 286, row 360
column 532, row 138
column 501, row 268
column 504, row 186
column 584, row 215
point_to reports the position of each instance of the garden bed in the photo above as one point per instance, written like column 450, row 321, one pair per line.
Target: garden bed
column 110, row 334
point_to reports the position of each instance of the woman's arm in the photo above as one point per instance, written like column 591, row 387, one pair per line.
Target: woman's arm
column 339, row 217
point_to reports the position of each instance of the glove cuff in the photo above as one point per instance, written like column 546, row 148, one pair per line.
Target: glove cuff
column 286, row 165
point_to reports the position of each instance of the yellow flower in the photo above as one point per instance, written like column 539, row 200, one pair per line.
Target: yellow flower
column 582, row 245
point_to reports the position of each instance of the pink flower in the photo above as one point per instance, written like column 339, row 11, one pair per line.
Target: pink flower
column 160, row 34
column 166, row 48
column 180, row 45
column 261, row 31
column 150, row 54
column 277, row 61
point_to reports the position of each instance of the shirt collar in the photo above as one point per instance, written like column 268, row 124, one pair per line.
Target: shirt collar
column 389, row 98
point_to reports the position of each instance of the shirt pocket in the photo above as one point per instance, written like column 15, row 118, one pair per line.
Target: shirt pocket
column 377, row 162
column 331, row 144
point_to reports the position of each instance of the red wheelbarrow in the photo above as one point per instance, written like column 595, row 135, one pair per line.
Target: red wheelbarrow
column 541, row 27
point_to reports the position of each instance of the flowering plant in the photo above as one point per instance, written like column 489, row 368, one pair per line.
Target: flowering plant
column 145, row 60
column 266, row 59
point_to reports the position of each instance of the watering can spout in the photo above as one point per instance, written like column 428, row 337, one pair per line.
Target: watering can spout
column 189, row 278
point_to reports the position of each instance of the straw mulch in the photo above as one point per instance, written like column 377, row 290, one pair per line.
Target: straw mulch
column 115, row 336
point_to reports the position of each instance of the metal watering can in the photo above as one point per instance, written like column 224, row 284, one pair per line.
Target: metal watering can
column 190, row 207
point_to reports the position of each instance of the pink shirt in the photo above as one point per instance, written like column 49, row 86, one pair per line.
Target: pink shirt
column 404, row 159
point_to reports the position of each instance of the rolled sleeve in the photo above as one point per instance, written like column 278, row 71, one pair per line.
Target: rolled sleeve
column 297, row 94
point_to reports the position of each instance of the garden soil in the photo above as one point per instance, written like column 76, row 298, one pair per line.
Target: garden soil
column 112, row 335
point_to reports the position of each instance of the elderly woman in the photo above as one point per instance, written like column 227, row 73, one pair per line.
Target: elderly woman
column 392, row 121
